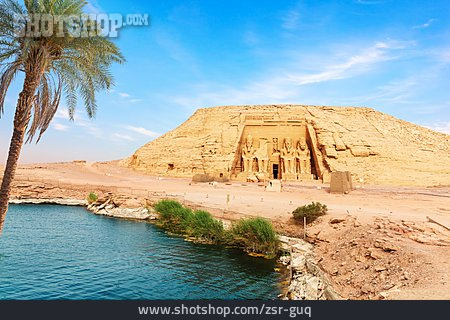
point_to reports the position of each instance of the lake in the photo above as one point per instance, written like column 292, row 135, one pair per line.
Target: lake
column 57, row 252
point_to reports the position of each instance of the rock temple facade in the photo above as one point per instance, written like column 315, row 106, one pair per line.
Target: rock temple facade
column 298, row 143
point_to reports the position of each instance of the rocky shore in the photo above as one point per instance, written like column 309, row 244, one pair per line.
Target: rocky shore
column 56, row 201
column 307, row 280
column 119, row 207
column 109, row 206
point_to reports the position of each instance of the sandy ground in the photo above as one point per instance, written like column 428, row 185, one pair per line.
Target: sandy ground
column 380, row 244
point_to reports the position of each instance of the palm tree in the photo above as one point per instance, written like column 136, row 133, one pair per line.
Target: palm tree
column 53, row 65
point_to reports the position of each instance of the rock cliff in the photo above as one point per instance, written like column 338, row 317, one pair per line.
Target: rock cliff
column 373, row 146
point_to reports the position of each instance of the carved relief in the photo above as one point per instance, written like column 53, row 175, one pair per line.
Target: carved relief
column 248, row 154
column 292, row 162
column 275, row 150
column 303, row 155
column 262, row 155
column 288, row 157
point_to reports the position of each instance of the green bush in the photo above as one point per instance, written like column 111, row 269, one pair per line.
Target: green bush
column 203, row 226
column 256, row 235
column 92, row 197
column 173, row 216
column 166, row 206
column 311, row 212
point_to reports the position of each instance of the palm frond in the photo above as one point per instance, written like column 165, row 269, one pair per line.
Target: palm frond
column 77, row 66
column 7, row 77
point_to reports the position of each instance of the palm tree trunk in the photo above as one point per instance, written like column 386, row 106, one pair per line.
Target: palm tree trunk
column 21, row 120
column 10, row 170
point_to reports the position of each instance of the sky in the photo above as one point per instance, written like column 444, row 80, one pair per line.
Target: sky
column 390, row 55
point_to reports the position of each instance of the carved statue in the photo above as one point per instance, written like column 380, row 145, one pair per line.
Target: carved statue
column 275, row 149
column 303, row 155
column 288, row 156
column 263, row 156
column 248, row 154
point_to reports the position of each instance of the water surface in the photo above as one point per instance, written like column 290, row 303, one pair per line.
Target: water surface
column 57, row 252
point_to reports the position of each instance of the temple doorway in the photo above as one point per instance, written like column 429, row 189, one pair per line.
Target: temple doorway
column 275, row 171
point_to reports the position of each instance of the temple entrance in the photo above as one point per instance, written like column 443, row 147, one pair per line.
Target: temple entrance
column 277, row 149
column 275, row 171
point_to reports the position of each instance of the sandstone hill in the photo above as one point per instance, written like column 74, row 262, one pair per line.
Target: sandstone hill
column 373, row 146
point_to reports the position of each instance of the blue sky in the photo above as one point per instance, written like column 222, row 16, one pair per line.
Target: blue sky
column 393, row 56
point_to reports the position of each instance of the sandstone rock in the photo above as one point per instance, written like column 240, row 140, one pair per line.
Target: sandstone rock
column 302, row 246
column 388, row 286
column 299, row 262
column 375, row 147
column 102, row 199
column 285, row 260
column 131, row 204
column 380, row 268
column 385, row 246
column 375, row 254
column 125, row 213
column 336, row 220
column 202, row 178
column 59, row 201
column 312, row 288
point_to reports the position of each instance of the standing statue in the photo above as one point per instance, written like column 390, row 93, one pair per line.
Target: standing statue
column 303, row 155
column 248, row 154
column 262, row 155
column 275, row 150
column 288, row 156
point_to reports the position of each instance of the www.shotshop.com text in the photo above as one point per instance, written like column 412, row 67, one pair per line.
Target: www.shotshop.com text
column 292, row 312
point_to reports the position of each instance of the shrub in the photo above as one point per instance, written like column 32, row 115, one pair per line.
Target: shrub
column 165, row 206
column 92, row 197
column 203, row 226
column 173, row 216
column 255, row 235
column 311, row 212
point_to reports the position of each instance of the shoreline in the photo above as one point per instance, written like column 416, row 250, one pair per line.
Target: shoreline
column 306, row 280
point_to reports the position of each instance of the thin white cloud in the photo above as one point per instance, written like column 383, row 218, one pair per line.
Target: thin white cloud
column 128, row 97
column 143, row 131
column 80, row 122
column 62, row 113
column 120, row 136
column 59, row 127
column 283, row 84
column 124, row 94
column 89, row 127
column 354, row 64
column 425, row 25
column 440, row 126
column 406, row 90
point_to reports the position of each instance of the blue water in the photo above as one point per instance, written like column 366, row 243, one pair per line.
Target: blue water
column 57, row 252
